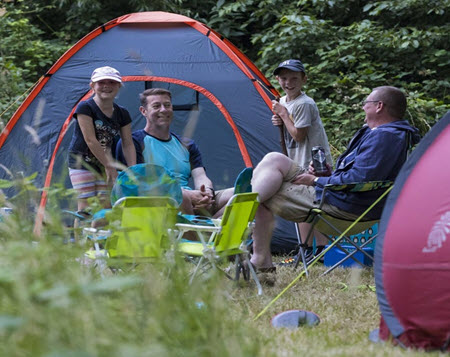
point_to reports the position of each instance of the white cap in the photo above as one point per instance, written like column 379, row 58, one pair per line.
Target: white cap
column 106, row 73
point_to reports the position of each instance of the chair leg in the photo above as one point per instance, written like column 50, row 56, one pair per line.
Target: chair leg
column 301, row 253
column 253, row 275
column 345, row 239
column 350, row 255
column 239, row 268
column 196, row 270
column 302, row 256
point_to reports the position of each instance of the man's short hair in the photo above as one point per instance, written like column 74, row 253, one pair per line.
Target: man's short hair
column 153, row 91
column 394, row 99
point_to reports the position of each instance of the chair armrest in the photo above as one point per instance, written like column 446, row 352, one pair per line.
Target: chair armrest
column 360, row 186
column 95, row 234
column 356, row 187
column 81, row 215
column 197, row 227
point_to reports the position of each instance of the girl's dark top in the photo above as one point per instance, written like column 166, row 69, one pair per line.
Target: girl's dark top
column 106, row 131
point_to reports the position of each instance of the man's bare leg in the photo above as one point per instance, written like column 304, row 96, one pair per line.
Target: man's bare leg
column 262, row 235
column 267, row 180
column 222, row 202
column 304, row 230
column 269, row 175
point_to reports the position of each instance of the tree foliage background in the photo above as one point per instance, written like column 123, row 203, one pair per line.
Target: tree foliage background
column 348, row 47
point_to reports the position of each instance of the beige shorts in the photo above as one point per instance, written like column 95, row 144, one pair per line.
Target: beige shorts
column 293, row 202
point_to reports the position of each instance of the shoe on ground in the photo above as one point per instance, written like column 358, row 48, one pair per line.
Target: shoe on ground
column 266, row 276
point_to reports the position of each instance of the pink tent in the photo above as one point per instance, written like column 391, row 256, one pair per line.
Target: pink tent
column 412, row 256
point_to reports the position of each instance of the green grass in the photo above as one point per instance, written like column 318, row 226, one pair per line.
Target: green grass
column 52, row 305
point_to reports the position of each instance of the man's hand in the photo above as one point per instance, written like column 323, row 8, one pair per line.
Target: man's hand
column 202, row 198
column 312, row 171
column 304, row 179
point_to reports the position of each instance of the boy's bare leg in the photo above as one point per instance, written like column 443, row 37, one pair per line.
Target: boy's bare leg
column 304, row 228
column 262, row 235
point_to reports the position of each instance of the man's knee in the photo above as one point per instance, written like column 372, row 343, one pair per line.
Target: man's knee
column 275, row 161
column 273, row 157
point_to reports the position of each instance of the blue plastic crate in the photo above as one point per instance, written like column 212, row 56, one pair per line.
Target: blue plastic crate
column 334, row 255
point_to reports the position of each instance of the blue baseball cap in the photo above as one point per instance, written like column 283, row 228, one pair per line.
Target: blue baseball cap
column 291, row 64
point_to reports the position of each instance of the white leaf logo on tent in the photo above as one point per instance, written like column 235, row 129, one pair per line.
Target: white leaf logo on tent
column 438, row 234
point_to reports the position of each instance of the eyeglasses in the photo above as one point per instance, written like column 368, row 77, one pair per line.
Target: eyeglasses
column 364, row 102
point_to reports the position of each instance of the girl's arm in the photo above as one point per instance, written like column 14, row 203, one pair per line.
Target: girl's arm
column 128, row 149
column 87, row 128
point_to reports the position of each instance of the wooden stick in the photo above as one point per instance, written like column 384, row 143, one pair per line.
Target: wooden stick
column 282, row 141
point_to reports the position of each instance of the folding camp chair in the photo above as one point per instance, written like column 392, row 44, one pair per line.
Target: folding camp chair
column 141, row 180
column 332, row 226
column 227, row 237
column 243, row 181
column 140, row 230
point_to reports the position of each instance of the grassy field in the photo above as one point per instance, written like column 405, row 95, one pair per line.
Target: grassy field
column 52, row 305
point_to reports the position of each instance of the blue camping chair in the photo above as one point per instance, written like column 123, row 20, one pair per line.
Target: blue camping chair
column 332, row 226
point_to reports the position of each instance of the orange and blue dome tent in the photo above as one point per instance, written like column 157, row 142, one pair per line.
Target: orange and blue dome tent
column 221, row 99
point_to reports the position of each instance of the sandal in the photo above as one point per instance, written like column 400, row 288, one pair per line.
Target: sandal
column 267, row 275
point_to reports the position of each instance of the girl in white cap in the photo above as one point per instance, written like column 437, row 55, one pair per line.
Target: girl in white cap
column 99, row 121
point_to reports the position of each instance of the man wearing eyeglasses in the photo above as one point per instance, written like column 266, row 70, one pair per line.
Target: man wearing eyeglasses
column 376, row 152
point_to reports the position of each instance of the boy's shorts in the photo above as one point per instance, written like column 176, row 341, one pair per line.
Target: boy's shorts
column 293, row 202
column 87, row 183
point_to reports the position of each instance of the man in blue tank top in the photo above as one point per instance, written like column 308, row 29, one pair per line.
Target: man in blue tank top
column 180, row 156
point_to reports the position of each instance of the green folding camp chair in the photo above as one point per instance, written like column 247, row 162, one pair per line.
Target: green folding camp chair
column 332, row 226
column 140, row 230
column 227, row 237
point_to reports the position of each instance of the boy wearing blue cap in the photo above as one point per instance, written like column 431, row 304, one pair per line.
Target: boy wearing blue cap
column 303, row 128
column 299, row 114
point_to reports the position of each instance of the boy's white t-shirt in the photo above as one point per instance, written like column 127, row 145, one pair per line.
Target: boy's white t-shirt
column 305, row 114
